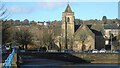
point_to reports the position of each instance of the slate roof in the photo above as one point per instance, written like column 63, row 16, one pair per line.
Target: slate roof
column 77, row 26
column 83, row 28
column 111, row 26
column 97, row 33
column 68, row 9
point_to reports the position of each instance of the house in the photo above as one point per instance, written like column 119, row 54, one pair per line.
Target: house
column 111, row 30
column 43, row 23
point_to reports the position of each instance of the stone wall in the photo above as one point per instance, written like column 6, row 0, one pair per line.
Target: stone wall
column 99, row 57
column 89, row 44
column 110, row 58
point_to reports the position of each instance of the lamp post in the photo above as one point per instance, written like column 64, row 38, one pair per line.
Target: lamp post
column 111, row 40
column 61, row 41
column 72, row 42
column 42, row 35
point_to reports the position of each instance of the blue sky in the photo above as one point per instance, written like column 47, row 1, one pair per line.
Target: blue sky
column 50, row 11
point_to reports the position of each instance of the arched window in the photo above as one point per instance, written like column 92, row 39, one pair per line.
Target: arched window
column 76, row 45
column 68, row 19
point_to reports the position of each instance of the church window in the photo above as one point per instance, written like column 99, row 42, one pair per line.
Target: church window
column 68, row 19
column 76, row 45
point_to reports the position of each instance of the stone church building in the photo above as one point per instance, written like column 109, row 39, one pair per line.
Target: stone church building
column 79, row 37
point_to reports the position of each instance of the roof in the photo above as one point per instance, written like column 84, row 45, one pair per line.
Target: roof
column 68, row 9
column 77, row 26
column 83, row 29
column 111, row 26
column 97, row 33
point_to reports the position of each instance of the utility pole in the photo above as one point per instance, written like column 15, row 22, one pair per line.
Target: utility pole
column 42, row 35
column 61, row 41
column 111, row 42
column 72, row 42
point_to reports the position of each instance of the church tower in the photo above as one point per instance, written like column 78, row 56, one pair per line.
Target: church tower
column 68, row 19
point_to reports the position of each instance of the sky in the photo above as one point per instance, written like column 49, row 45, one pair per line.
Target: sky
column 50, row 11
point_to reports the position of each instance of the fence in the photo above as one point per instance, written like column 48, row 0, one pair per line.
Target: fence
column 9, row 60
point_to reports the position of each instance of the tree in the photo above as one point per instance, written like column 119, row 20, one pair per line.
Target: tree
column 113, row 21
column 6, row 32
column 5, row 25
column 111, row 35
column 48, row 37
column 78, row 21
column 3, row 12
column 24, row 37
column 35, row 30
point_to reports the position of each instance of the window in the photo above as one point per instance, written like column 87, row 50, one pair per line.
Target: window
column 76, row 45
column 68, row 19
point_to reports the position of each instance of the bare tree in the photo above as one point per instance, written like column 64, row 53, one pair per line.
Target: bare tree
column 48, row 37
column 24, row 37
column 3, row 12
column 5, row 29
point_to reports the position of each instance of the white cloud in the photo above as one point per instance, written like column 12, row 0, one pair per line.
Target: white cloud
column 41, row 5
column 49, row 5
column 18, row 9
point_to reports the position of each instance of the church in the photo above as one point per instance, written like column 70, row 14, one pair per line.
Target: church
column 78, row 37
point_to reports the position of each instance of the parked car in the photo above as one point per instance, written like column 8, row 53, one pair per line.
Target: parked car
column 69, row 51
column 117, row 51
column 22, row 50
column 103, row 50
column 90, row 51
column 95, row 51
column 80, row 52
column 85, row 51
column 74, row 52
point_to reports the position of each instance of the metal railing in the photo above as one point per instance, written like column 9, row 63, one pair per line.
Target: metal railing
column 8, row 61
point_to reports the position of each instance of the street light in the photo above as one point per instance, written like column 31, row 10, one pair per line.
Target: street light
column 111, row 40
column 61, row 41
